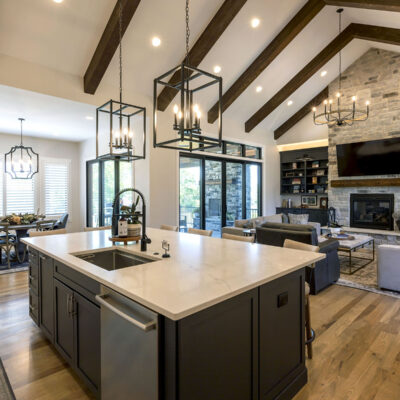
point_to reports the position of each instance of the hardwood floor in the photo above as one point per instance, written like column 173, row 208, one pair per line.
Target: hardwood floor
column 356, row 353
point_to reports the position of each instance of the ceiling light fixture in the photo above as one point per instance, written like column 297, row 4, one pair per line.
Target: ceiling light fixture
column 21, row 162
column 189, row 83
column 323, row 73
column 290, row 102
column 255, row 22
column 122, row 125
column 89, row 118
column 156, row 41
column 58, row 1
column 217, row 69
column 259, row 89
column 340, row 116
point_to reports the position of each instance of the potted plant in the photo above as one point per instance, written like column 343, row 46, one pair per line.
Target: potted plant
column 134, row 225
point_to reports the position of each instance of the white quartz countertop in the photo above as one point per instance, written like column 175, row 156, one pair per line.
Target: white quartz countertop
column 201, row 272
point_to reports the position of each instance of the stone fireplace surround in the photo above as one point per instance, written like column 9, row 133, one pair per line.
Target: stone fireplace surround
column 375, row 76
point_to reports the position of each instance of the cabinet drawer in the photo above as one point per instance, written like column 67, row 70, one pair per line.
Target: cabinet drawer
column 34, row 306
column 77, row 281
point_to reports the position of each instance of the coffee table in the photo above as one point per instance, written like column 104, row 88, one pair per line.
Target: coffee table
column 249, row 232
column 351, row 246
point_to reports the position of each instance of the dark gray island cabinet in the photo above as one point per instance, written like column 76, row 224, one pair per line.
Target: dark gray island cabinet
column 248, row 347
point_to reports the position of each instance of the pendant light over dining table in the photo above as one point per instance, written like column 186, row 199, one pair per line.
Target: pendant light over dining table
column 21, row 162
column 120, row 124
column 182, row 129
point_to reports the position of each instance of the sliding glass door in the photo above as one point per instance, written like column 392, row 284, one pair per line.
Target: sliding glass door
column 214, row 192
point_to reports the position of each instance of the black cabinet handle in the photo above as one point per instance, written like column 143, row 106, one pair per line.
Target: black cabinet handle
column 283, row 299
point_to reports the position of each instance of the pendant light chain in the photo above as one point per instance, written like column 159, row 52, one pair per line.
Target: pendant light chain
column 187, row 32
column 22, row 120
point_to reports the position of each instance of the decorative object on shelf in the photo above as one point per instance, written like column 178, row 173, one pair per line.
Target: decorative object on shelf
column 123, row 125
column 21, row 162
column 314, row 180
column 315, row 164
column 340, row 116
column 309, row 201
column 22, row 219
column 294, row 165
column 323, row 202
column 190, row 82
column 320, row 172
column 165, row 246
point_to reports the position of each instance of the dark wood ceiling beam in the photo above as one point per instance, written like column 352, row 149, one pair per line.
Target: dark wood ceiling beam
column 265, row 58
column 203, row 45
column 306, row 73
column 299, row 115
column 108, row 44
column 382, row 5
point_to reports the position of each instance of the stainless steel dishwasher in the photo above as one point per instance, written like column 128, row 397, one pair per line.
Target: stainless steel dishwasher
column 129, row 349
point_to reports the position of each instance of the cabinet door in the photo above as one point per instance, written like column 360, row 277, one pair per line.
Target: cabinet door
column 87, row 340
column 64, row 320
column 34, row 271
column 281, row 334
column 46, row 295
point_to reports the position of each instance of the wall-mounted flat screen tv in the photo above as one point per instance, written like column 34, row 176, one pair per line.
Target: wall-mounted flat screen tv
column 376, row 157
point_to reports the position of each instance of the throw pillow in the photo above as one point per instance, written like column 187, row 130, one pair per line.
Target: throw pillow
column 248, row 225
column 299, row 219
column 285, row 219
column 277, row 218
column 240, row 223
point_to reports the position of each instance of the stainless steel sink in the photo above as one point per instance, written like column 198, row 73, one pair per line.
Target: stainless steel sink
column 113, row 259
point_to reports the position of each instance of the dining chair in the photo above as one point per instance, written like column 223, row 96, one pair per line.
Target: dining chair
column 169, row 228
column 7, row 242
column 97, row 228
column 45, row 225
column 310, row 334
column 202, row 232
column 47, row 233
column 248, row 239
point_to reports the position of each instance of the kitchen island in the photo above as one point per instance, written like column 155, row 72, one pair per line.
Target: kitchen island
column 219, row 319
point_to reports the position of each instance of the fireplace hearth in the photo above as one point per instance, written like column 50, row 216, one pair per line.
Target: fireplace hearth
column 374, row 211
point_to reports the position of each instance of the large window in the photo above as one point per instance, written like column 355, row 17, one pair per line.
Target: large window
column 55, row 186
column 214, row 192
column 20, row 195
column 105, row 178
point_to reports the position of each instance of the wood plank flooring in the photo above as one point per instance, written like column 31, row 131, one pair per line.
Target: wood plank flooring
column 356, row 353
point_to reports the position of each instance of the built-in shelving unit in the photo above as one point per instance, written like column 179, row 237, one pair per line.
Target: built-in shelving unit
column 304, row 171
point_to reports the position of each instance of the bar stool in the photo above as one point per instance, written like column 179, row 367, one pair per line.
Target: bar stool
column 310, row 334
column 202, row 232
column 169, row 228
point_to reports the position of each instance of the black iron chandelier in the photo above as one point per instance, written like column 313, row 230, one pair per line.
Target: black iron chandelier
column 120, row 124
column 340, row 116
column 21, row 162
column 191, row 83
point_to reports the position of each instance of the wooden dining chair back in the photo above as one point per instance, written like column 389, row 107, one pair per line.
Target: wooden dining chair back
column 97, row 228
column 7, row 242
column 169, row 228
column 45, row 225
column 310, row 334
column 248, row 239
column 47, row 233
column 201, row 232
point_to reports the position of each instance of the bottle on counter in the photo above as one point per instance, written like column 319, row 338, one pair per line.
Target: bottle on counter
column 122, row 227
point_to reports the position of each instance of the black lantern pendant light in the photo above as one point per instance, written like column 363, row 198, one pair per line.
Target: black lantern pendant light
column 340, row 116
column 185, row 125
column 21, row 162
column 122, row 125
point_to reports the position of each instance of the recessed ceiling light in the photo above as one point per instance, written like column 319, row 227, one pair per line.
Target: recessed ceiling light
column 58, row 1
column 89, row 117
column 289, row 103
column 259, row 89
column 255, row 22
column 156, row 41
column 323, row 73
column 217, row 69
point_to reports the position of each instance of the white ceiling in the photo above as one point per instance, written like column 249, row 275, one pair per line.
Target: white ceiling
column 64, row 36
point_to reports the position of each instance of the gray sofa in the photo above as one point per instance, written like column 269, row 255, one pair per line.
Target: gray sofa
column 253, row 223
column 326, row 271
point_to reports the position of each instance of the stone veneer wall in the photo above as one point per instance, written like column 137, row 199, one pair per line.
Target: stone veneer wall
column 375, row 76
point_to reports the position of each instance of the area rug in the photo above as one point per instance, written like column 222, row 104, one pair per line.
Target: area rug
column 6, row 392
column 365, row 278
column 15, row 267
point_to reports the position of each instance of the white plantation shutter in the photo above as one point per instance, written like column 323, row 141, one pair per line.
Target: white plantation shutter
column 56, row 183
column 20, row 195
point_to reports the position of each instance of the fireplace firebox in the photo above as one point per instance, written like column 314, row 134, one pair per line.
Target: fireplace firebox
column 374, row 211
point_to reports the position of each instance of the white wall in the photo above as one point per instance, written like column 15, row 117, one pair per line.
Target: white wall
column 55, row 149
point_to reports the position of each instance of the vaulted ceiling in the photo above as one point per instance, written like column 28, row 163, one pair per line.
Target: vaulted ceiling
column 64, row 37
